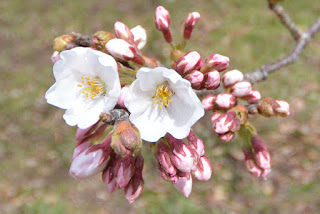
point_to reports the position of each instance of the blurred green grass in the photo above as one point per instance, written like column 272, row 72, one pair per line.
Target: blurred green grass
column 36, row 145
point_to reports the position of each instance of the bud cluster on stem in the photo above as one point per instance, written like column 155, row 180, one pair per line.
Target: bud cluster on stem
column 257, row 159
column 177, row 161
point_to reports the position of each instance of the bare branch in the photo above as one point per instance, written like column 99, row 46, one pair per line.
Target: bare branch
column 286, row 20
column 302, row 39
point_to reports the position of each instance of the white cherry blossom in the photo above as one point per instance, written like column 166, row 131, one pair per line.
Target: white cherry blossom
column 87, row 84
column 161, row 101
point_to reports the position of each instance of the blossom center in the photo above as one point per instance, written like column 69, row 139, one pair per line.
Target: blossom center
column 163, row 96
column 92, row 87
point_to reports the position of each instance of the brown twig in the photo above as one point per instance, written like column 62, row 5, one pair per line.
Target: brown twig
column 301, row 38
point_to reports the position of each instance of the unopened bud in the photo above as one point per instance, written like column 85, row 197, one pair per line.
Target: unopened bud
column 124, row 171
column 182, row 156
column 63, row 42
column 195, row 78
column 261, row 154
column 226, row 100
column 123, row 32
column 232, row 77
column 212, row 80
column 123, row 50
column 241, row 89
column 140, row 36
column 100, row 39
column 162, row 21
column 281, row 108
column 81, row 147
column 120, row 49
column 109, row 175
column 91, row 161
column 189, row 62
column 83, row 133
column 204, row 169
column 184, row 185
column 227, row 137
column 162, row 155
column 162, row 18
column 126, row 139
column 196, row 143
column 265, row 107
column 250, row 164
column 227, row 122
column 215, row 116
column 208, row 102
column 189, row 24
column 215, row 62
column 253, row 97
column 135, row 187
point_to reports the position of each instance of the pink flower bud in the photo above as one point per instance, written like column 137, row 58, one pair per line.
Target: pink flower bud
column 163, row 157
column 126, row 138
column 135, row 187
column 253, row 97
column 281, row 107
column 227, row 137
column 162, row 21
column 189, row 62
column 124, row 170
column 100, row 39
column 212, row 80
column 109, row 176
column 182, row 157
column 123, row 32
column 81, row 147
column 241, row 89
column 204, row 169
column 250, row 164
column 265, row 107
column 91, row 161
column 214, row 117
column 162, row 18
column 120, row 49
column 261, row 154
column 184, row 185
column 83, row 133
column 140, row 36
column 226, row 122
column 55, row 57
column 189, row 24
column 232, row 77
column 123, row 93
column 208, row 102
column 226, row 100
column 196, row 143
column 215, row 62
column 63, row 42
column 195, row 78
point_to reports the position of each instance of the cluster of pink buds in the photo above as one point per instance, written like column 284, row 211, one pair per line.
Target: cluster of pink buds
column 202, row 75
column 117, row 157
column 257, row 158
column 128, row 43
column 177, row 161
column 269, row 107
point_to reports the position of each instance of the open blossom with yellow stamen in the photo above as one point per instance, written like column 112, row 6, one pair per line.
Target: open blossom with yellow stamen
column 87, row 84
column 161, row 101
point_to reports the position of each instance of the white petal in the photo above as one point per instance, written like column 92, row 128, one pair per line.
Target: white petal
column 63, row 93
column 152, row 123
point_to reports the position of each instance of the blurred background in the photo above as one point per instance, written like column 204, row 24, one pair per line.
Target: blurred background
column 36, row 145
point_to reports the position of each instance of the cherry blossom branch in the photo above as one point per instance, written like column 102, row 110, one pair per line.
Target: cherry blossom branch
column 301, row 38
